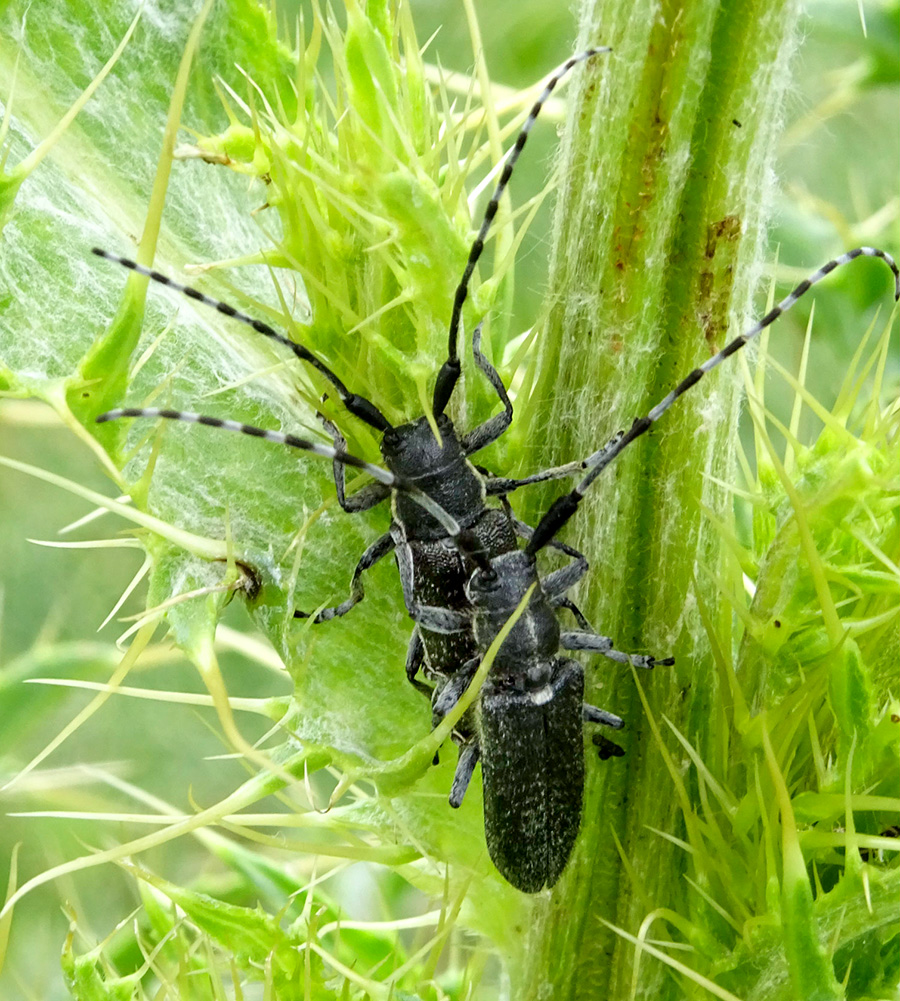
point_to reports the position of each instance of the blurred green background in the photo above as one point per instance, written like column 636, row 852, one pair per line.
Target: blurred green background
column 837, row 168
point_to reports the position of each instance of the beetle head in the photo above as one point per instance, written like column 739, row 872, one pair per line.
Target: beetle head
column 503, row 586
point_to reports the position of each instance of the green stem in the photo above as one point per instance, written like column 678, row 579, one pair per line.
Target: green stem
column 659, row 228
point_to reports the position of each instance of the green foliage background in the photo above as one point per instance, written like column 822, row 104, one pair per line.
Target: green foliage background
column 838, row 176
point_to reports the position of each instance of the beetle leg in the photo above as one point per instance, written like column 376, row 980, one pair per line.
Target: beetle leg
column 556, row 584
column 363, row 499
column 465, row 766
column 439, row 620
column 591, row 714
column 593, row 643
column 454, row 689
column 487, row 433
column 377, row 551
column 575, row 610
column 415, row 656
column 606, row 748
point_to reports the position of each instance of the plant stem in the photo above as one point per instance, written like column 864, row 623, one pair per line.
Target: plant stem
column 659, row 228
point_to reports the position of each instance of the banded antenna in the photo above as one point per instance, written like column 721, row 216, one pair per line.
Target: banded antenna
column 449, row 372
column 384, row 476
column 562, row 509
column 358, row 405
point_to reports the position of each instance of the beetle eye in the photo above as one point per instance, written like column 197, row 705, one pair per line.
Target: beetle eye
column 485, row 580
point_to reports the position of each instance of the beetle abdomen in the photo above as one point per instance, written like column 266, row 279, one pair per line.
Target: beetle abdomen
column 533, row 774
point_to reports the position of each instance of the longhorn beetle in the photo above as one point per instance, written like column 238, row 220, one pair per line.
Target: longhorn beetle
column 448, row 544
column 441, row 525
column 527, row 728
column 530, row 711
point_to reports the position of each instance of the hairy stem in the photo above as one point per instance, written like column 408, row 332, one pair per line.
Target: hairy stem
column 660, row 223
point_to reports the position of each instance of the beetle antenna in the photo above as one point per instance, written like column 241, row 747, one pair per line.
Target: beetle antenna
column 359, row 406
column 449, row 523
column 562, row 509
column 449, row 372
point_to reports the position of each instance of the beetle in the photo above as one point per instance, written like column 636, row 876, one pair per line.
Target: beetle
column 527, row 729
column 441, row 524
column 460, row 567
